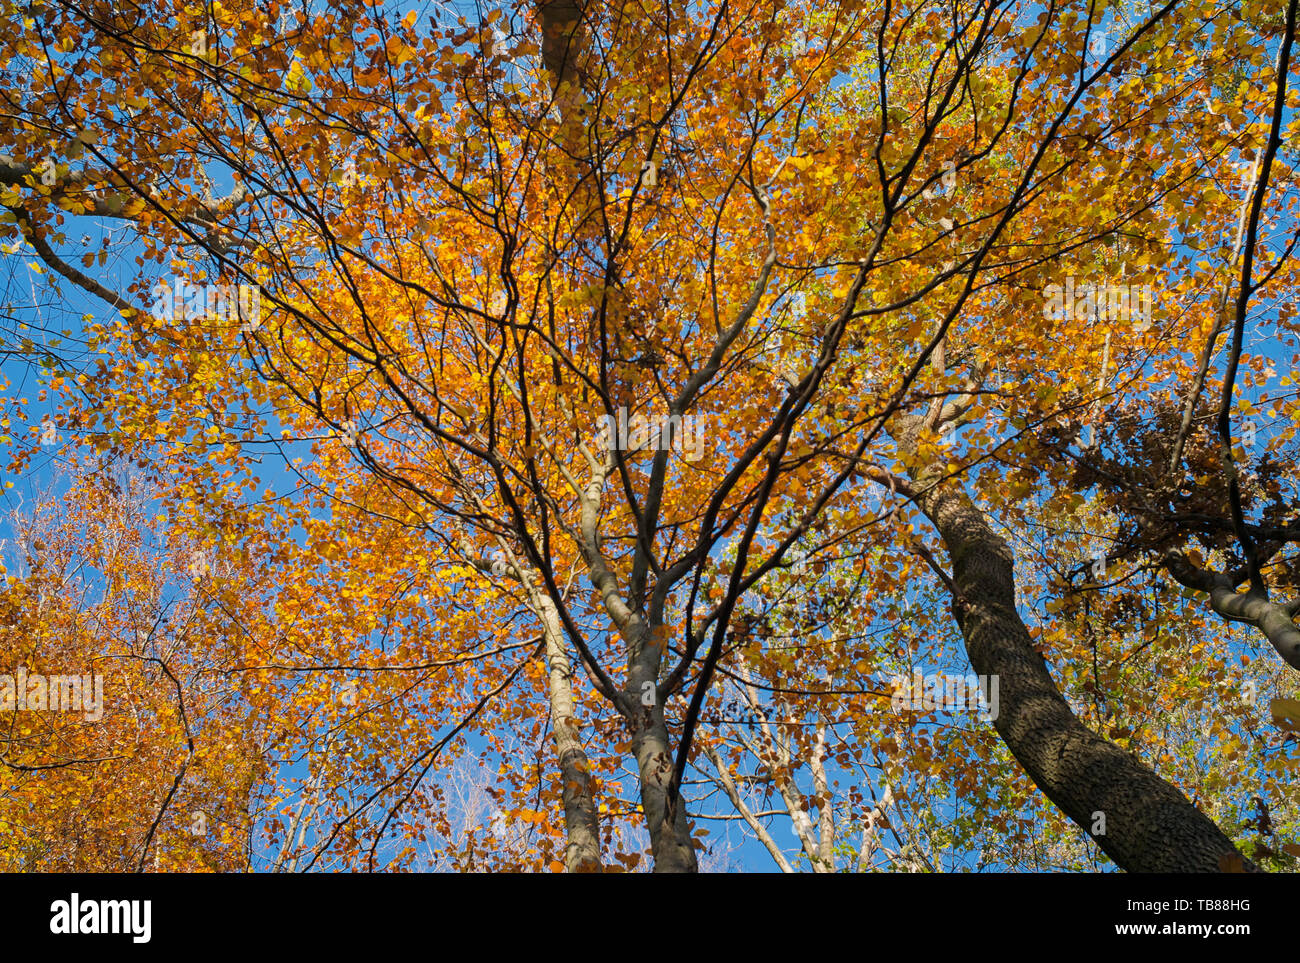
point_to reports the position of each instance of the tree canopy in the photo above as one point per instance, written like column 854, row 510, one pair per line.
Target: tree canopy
column 597, row 436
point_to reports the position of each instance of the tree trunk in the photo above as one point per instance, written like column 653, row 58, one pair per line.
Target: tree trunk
column 1149, row 825
column 671, row 846
column 581, row 821
column 563, row 40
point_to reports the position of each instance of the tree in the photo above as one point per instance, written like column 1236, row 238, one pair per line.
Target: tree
column 592, row 314
column 125, row 745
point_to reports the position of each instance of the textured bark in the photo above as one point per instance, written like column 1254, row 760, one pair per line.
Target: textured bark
column 1150, row 826
column 581, row 820
column 671, row 846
